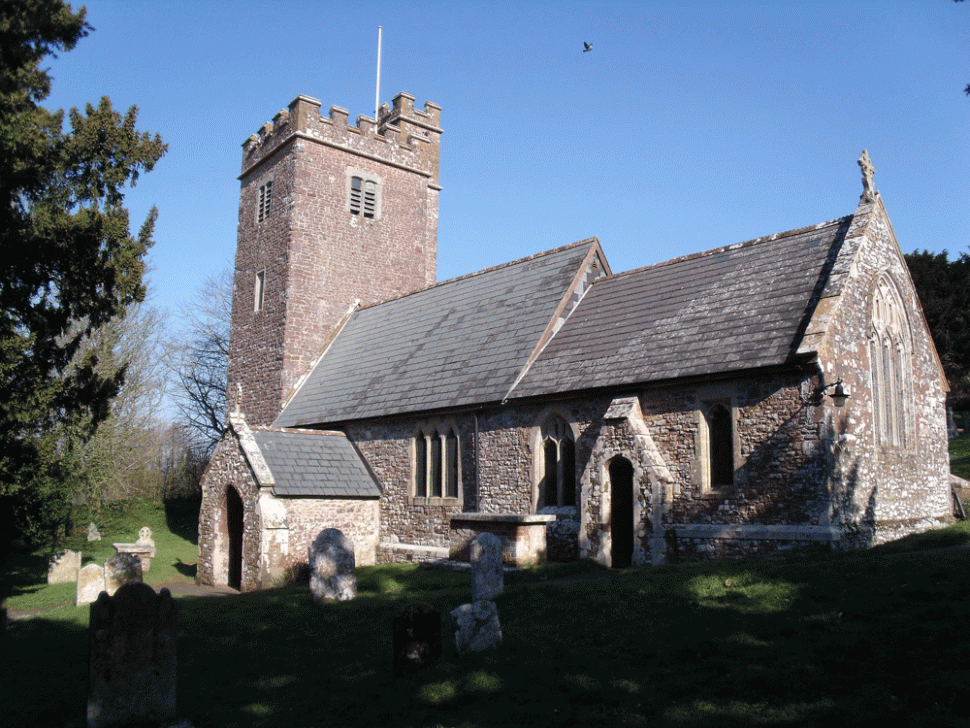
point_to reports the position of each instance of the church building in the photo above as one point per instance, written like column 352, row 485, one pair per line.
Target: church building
column 771, row 396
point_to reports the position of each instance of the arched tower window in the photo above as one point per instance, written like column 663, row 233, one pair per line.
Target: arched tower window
column 558, row 478
column 889, row 366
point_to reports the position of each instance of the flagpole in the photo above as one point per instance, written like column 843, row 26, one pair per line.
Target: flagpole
column 377, row 98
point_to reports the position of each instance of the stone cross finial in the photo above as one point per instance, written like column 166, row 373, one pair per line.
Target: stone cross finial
column 865, row 164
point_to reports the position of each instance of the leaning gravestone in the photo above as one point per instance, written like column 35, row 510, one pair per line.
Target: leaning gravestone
column 90, row 583
column 486, row 567
column 63, row 567
column 132, row 662
column 476, row 627
column 331, row 557
column 417, row 638
column 93, row 533
column 119, row 570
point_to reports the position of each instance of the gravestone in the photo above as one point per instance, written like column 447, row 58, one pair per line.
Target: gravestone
column 331, row 557
column 485, row 554
column 90, row 583
column 63, row 567
column 93, row 533
column 132, row 661
column 119, row 570
column 476, row 627
column 417, row 638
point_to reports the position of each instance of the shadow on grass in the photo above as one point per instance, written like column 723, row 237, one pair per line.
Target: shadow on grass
column 182, row 518
column 184, row 569
column 860, row 639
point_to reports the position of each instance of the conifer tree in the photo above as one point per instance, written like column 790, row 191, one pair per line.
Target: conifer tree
column 68, row 261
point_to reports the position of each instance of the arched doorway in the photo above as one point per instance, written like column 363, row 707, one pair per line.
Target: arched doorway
column 234, row 530
column 621, row 513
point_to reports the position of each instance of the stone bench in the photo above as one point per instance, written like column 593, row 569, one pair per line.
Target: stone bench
column 523, row 535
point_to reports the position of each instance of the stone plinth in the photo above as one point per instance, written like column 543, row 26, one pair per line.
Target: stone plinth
column 523, row 535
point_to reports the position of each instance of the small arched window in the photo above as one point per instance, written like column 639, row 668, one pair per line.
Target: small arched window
column 558, row 480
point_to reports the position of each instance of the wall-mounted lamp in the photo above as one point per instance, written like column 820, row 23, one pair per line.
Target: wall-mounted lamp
column 839, row 396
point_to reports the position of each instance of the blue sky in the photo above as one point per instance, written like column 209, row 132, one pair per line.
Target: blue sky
column 691, row 124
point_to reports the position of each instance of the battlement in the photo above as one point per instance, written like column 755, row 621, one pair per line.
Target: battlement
column 402, row 135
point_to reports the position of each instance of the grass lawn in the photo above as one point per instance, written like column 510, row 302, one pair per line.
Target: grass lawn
column 174, row 526
column 874, row 638
column 960, row 456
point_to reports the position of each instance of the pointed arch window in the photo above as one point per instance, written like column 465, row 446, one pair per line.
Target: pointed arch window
column 558, row 476
column 716, row 448
column 437, row 470
column 890, row 366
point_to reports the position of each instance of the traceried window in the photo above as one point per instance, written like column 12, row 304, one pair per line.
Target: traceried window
column 716, row 447
column 363, row 197
column 265, row 204
column 889, row 366
column 558, row 483
column 436, row 467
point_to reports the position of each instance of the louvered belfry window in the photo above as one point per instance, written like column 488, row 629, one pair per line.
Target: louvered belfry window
column 363, row 197
column 265, row 201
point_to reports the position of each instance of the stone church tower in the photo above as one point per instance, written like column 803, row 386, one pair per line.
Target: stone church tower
column 330, row 216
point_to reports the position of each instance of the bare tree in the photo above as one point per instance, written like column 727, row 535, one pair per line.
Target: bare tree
column 120, row 458
column 201, row 361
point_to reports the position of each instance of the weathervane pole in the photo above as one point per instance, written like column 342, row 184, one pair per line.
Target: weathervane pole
column 377, row 98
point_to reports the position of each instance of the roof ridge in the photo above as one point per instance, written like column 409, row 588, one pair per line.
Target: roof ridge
column 492, row 269
column 732, row 246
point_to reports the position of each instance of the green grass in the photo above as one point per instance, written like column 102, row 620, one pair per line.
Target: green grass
column 873, row 638
column 174, row 526
column 960, row 456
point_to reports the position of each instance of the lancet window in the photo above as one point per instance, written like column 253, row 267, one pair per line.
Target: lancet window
column 558, row 483
column 889, row 366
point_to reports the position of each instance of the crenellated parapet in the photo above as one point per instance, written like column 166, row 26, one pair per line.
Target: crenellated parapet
column 402, row 135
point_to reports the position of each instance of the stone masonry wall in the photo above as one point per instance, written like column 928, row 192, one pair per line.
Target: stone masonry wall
column 319, row 258
column 881, row 492
column 357, row 519
column 227, row 469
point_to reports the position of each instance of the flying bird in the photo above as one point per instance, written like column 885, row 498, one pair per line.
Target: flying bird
column 588, row 48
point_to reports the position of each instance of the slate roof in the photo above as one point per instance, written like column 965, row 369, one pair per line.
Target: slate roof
column 460, row 342
column 739, row 307
column 306, row 463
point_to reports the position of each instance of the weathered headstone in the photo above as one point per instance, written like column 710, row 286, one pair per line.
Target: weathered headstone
column 93, row 533
column 485, row 554
column 332, row 576
column 417, row 638
column 63, row 567
column 90, row 583
column 132, row 662
column 119, row 570
column 476, row 627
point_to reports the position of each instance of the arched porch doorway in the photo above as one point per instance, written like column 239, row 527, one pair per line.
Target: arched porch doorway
column 234, row 532
column 621, row 513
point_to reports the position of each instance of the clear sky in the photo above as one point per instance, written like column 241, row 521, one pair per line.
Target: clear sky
column 689, row 126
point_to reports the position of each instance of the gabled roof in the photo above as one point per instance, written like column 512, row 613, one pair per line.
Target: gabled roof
column 314, row 463
column 740, row 307
column 460, row 342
